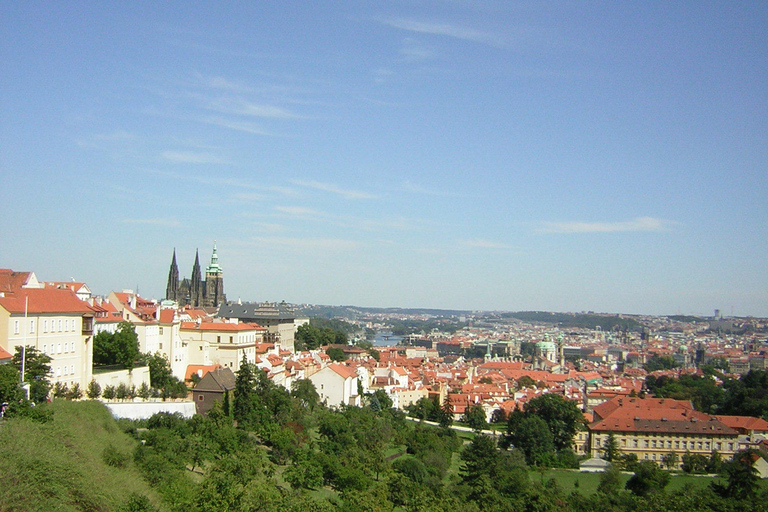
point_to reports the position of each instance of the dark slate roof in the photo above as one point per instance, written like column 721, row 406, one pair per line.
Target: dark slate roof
column 218, row 380
column 257, row 310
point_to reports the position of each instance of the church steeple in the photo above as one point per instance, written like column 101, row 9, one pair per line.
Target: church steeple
column 196, row 285
column 172, row 288
column 214, row 267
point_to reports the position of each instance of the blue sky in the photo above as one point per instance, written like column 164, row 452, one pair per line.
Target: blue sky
column 606, row 156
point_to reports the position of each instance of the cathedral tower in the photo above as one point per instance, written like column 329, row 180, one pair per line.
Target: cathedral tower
column 214, row 281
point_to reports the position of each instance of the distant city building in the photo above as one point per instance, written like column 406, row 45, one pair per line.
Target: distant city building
column 278, row 318
column 196, row 291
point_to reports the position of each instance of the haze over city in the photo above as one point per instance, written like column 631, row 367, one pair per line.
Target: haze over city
column 466, row 155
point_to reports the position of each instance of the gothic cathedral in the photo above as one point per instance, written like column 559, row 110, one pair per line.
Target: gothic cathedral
column 196, row 291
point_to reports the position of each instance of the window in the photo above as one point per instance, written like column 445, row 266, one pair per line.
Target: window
column 65, row 347
column 230, row 339
column 32, row 326
column 201, row 398
column 59, row 351
column 59, row 325
column 161, row 330
column 45, row 349
column 218, row 339
column 15, row 327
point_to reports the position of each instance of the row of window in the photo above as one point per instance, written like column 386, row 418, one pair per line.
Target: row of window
column 68, row 370
column 67, row 325
column 58, row 349
column 677, row 444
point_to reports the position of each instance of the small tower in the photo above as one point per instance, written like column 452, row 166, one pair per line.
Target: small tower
column 214, row 281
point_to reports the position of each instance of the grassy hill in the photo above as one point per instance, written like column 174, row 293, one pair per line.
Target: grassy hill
column 79, row 461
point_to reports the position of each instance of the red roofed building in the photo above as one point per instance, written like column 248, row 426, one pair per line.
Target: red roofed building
column 337, row 384
column 653, row 427
column 221, row 343
column 53, row 321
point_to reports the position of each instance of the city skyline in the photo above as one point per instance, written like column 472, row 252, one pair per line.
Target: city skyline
column 448, row 155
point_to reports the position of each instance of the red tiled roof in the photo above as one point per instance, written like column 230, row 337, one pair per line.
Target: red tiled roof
column 167, row 315
column 11, row 281
column 747, row 423
column 220, row 326
column 5, row 355
column 198, row 369
column 44, row 300
column 344, row 371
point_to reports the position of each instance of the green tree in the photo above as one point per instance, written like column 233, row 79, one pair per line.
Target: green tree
column 336, row 354
column 670, row 460
column 9, row 384
column 715, row 463
column 610, row 448
column 563, row 417
column 474, row 417
column 109, row 393
column 610, row 481
column 446, row 413
column 532, row 436
column 159, row 370
column 93, row 391
column 126, row 343
column 648, row 479
column 143, row 391
column 36, row 372
column 525, row 382
column 245, row 396
column 743, row 478
column 694, row 463
column 75, row 393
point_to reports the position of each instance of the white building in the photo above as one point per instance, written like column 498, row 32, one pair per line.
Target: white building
column 337, row 384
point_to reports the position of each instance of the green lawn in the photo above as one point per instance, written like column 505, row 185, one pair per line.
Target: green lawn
column 586, row 483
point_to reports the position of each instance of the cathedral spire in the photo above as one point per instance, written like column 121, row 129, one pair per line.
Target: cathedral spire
column 196, row 284
column 172, row 289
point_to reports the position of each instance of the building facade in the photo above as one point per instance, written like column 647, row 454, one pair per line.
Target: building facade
column 55, row 322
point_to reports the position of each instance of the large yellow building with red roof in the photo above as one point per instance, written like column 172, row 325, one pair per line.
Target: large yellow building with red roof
column 52, row 320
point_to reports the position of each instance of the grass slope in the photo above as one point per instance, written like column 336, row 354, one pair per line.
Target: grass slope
column 60, row 465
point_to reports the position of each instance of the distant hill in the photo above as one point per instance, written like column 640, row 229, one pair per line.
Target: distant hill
column 355, row 312
column 582, row 320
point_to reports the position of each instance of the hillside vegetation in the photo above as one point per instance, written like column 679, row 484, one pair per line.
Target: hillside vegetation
column 79, row 460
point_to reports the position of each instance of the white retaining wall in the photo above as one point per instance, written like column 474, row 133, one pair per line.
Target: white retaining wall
column 143, row 410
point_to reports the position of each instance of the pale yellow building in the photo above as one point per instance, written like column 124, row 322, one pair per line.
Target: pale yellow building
column 651, row 428
column 54, row 321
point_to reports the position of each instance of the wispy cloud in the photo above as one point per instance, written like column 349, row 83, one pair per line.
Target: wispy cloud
column 328, row 187
column 635, row 225
column 480, row 243
column 413, row 50
column 299, row 211
column 171, row 223
column 220, row 180
column 444, row 29
column 412, row 188
column 189, row 157
column 246, row 108
column 243, row 126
